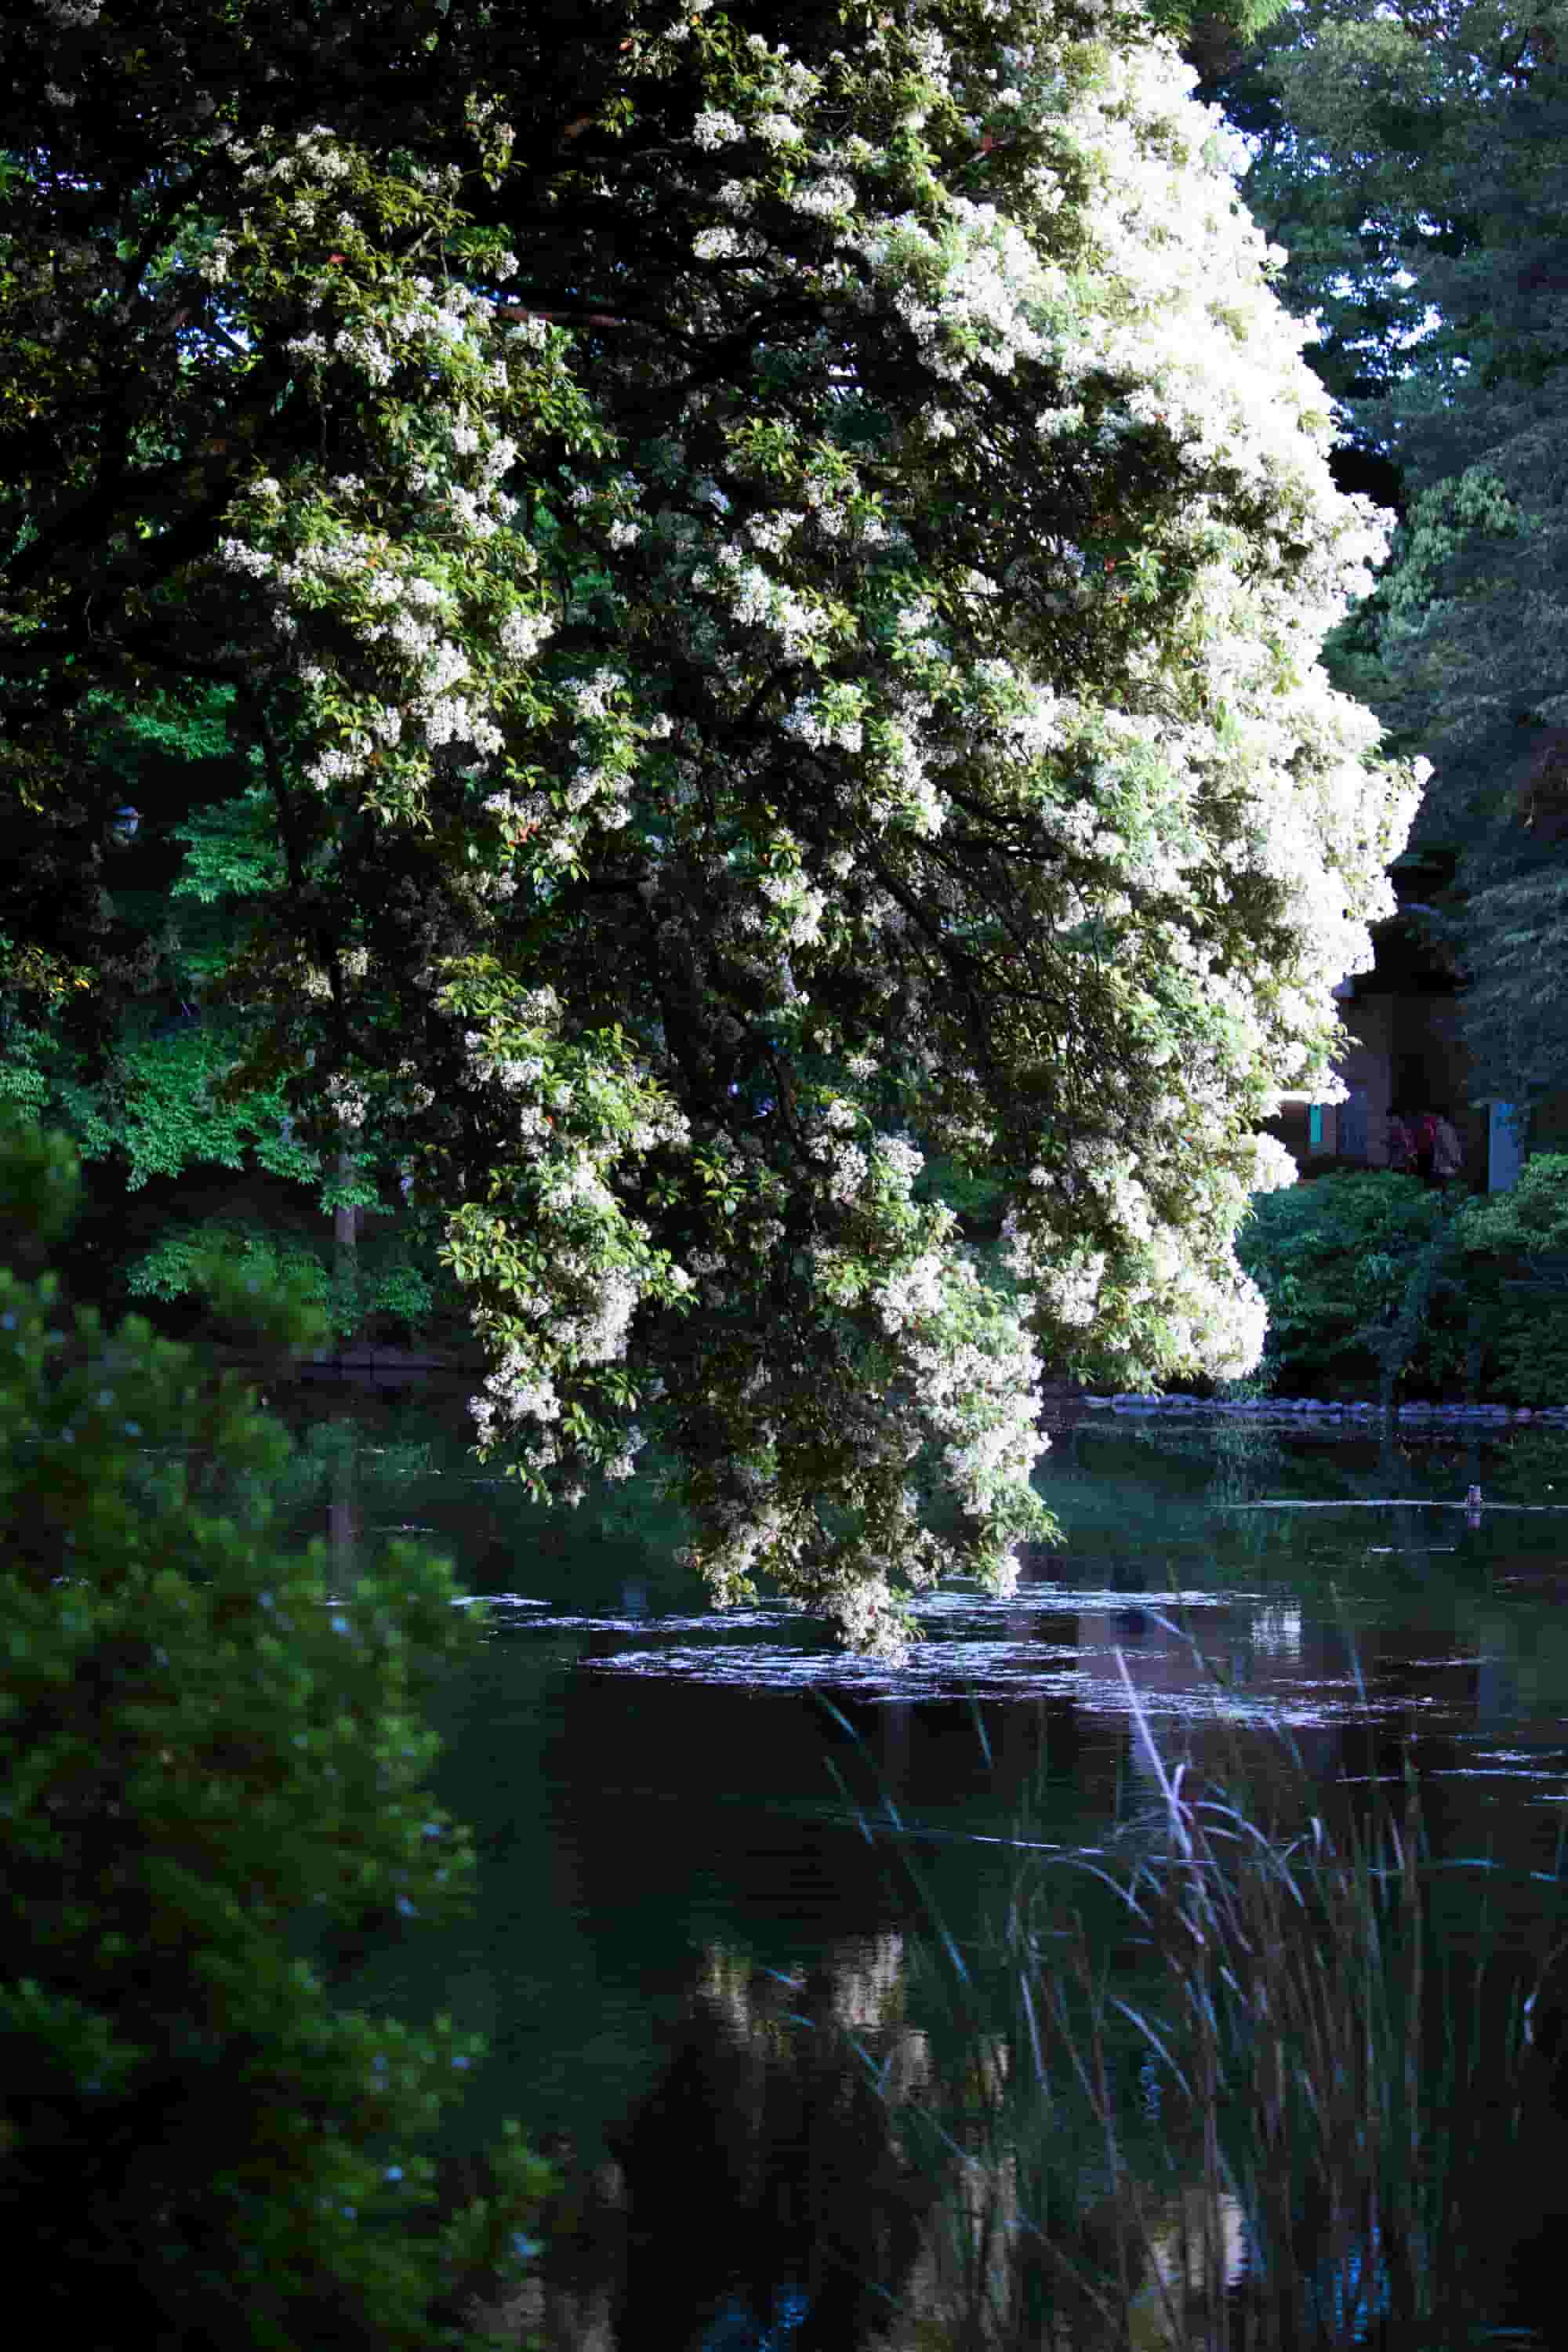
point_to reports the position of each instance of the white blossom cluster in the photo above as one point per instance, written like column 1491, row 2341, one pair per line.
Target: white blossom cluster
column 442, row 625
column 348, row 1099
column 579, row 1265
column 978, row 1378
column 821, row 790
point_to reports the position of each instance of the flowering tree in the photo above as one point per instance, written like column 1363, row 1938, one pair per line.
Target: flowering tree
column 770, row 588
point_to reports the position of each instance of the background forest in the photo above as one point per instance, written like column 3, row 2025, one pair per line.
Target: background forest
column 1411, row 162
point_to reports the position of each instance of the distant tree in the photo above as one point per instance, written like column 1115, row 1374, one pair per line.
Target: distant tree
column 1352, row 178
column 1445, row 128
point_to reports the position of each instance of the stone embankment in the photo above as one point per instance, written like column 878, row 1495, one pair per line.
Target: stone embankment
column 1324, row 1409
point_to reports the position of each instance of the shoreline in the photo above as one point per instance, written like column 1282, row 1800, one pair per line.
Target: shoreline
column 1357, row 1412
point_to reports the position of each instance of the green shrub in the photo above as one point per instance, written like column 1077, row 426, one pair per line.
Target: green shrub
column 1335, row 1259
column 180, row 1264
column 385, row 1285
column 205, row 1758
column 1515, row 1248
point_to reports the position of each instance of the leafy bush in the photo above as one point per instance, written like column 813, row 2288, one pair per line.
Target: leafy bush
column 1335, row 1258
column 1366, row 1272
column 180, row 1264
column 1515, row 1249
column 206, row 1757
column 394, row 1288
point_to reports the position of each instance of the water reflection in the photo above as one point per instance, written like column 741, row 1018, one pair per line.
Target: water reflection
column 772, row 2189
column 767, row 2158
column 638, row 1799
column 680, row 1906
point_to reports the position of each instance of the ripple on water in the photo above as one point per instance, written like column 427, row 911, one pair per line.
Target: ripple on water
column 1315, row 1701
column 498, row 1601
column 975, row 1649
column 985, row 1669
column 1054, row 1600
column 646, row 1624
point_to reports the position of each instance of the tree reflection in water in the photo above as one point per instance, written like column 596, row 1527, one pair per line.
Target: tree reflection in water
column 799, row 2179
column 766, row 2195
column 766, row 2188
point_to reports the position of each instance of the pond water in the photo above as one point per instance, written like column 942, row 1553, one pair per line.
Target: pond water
column 673, row 1807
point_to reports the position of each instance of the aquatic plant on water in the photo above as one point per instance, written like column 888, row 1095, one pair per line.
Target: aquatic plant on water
column 1243, row 2082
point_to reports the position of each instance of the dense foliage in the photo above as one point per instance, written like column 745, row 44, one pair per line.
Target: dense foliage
column 1335, row 1258
column 761, row 575
column 208, row 1760
column 1367, row 1274
column 1516, row 1275
column 398, row 1292
column 1404, row 141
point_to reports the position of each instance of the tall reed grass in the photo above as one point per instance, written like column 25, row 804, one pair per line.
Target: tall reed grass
column 1243, row 2083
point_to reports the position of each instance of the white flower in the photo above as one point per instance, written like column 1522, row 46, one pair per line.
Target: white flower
column 714, row 128
column 235, row 555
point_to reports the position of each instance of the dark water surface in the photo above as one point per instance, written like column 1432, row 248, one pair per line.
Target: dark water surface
column 671, row 1806
column 716, row 1855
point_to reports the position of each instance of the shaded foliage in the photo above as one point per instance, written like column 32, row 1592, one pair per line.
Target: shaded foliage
column 1333, row 1258
column 1377, row 1277
column 210, row 1760
column 1432, row 138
